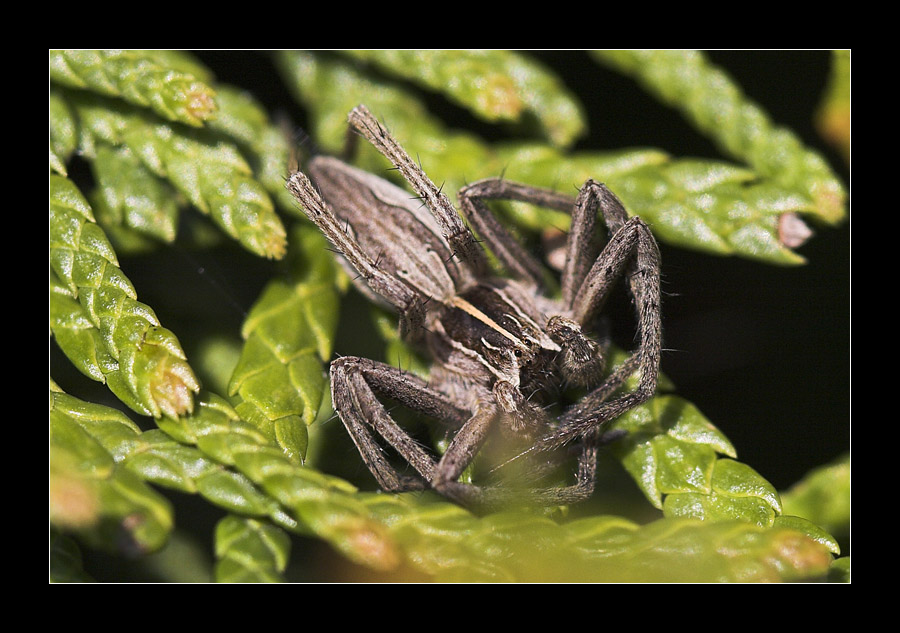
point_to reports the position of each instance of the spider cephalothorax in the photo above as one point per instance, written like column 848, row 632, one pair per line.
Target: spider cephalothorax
column 500, row 347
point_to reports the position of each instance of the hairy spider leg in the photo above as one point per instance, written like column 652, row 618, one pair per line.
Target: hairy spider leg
column 517, row 261
column 581, row 247
column 587, row 280
column 356, row 384
column 632, row 250
column 460, row 238
column 582, row 357
column 580, row 253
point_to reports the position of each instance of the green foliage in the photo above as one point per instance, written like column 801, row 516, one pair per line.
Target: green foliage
column 205, row 167
column 250, row 551
column 97, row 320
column 706, row 205
column 167, row 83
column 132, row 203
column 498, row 86
column 448, row 543
column 162, row 137
column 823, row 497
column 91, row 494
column 278, row 382
column 713, row 102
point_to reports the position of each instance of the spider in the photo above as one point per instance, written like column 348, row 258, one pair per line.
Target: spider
column 501, row 347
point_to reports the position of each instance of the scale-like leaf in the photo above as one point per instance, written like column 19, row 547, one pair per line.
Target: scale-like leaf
column 139, row 78
column 141, row 361
column 496, row 85
column 158, row 459
column 706, row 205
column 250, row 551
column 203, row 166
column 279, row 377
column 63, row 134
column 823, row 497
column 684, row 550
column 671, row 451
column 715, row 104
column 244, row 120
column 446, row 542
column 713, row 207
column 112, row 429
column 331, row 87
column 107, row 505
column 322, row 505
column 130, row 198
column 733, row 491
column 810, row 529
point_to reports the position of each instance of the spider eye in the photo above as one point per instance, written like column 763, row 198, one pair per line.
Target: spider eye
column 518, row 353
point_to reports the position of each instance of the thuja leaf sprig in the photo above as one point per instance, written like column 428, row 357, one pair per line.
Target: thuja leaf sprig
column 707, row 205
column 495, row 85
column 158, row 459
column 130, row 199
column 93, row 495
column 98, row 321
column 133, row 106
column 279, row 381
column 433, row 537
column 204, row 167
column 230, row 463
column 266, row 145
column 113, row 452
column 673, row 454
column 716, row 105
column 324, row 506
column 449, row 544
column 141, row 78
column 63, row 133
column 248, row 550
column 687, row 468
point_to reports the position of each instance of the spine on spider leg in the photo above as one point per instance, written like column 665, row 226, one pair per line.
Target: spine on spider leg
column 318, row 212
column 363, row 121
